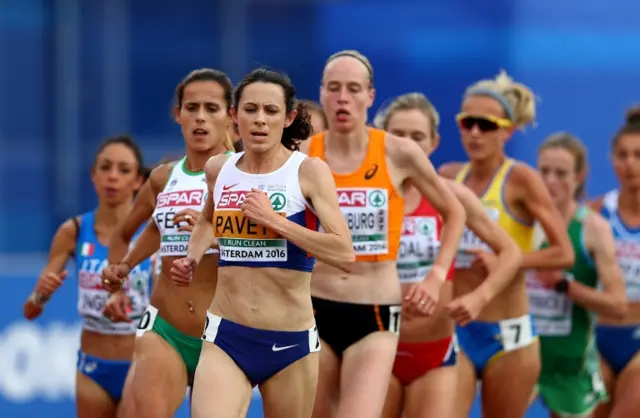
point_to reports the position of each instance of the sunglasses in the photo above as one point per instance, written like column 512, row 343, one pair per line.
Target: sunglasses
column 484, row 123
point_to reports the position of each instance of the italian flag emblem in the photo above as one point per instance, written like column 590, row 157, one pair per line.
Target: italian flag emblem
column 86, row 250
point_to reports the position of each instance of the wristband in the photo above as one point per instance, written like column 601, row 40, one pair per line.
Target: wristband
column 38, row 298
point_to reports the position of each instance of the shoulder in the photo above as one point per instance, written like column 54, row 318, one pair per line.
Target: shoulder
column 401, row 150
column 450, row 170
column 596, row 224
column 214, row 165
column 521, row 171
column 70, row 228
column 596, row 203
column 314, row 167
column 160, row 175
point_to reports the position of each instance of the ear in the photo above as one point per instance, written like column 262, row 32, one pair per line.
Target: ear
column 372, row 97
column 234, row 114
column 435, row 142
column 290, row 118
column 176, row 114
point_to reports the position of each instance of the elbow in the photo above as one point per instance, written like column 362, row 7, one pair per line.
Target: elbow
column 345, row 259
column 567, row 257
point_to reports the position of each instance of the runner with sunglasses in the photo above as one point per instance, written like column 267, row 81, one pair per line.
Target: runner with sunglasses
column 619, row 339
column 424, row 373
column 502, row 340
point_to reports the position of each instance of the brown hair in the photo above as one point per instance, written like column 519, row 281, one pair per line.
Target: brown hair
column 631, row 125
column 575, row 147
column 317, row 108
column 409, row 101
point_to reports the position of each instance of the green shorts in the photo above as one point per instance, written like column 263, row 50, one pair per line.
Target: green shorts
column 572, row 396
column 186, row 346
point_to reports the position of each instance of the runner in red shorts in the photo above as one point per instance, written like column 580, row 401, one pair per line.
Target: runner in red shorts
column 424, row 378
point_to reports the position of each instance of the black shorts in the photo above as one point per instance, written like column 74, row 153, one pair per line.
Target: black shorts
column 342, row 324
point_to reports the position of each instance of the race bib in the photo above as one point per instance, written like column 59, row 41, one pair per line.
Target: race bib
column 551, row 310
column 241, row 239
column 419, row 246
column 628, row 255
column 470, row 241
column 366, row 212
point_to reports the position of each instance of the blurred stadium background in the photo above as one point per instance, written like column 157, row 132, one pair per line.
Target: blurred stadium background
column 75, row 71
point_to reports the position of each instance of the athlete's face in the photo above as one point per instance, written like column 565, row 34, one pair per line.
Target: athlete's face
column 413, row 124
column 262, row 116
column 317, row 122
column 115, row 174
column 626, row 160
column 558, row 170
column 203, row 115
column 480, row 143
column 346, row 94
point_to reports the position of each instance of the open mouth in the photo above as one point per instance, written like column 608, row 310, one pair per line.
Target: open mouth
column 258, row 134
column 342, row 115
column 200, row 132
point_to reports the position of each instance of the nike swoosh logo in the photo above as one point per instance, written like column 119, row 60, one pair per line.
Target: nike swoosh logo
column 371, row 172
column 227, row 187
column 286, row 347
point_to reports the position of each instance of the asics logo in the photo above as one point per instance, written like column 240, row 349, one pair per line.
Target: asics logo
column 285, row 347
column 368, row 175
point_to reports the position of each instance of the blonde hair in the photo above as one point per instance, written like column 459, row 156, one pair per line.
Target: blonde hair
column 518, row 100
column 409, row 101
column 570, row 143
column 353, row 54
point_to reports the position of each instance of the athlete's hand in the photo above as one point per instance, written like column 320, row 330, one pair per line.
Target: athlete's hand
column 49, row 283
column 466, row 308
column 186, row 217
column 182, row 271
column 114, row 275
column 257, row 207
column 117, row 307
column 485, row 261
column 549, row 278
column 423, row 297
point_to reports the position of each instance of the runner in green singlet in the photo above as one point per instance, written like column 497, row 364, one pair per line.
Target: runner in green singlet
column 564, row 304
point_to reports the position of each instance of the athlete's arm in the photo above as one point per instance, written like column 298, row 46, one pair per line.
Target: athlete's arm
column 144, row 247
column 202, row 237
column 332, row 246
column 507, row 252
column 62, row 247
column 409, row 158
column 535, row 198
column 612, row 300
column 143, row 207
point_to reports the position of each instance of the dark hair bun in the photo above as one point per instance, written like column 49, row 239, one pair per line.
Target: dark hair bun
column 633, row 115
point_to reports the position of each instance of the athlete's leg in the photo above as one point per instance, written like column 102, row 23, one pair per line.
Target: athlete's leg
column 328, row 388
column 394, row 401
column 466, row 386
column 515, row 373
column 627, row 391
column 92, row 401
column 160, row 377
column 432, row 395
column 220, row 388
column 127, row 405
column 292, row 391
column 364, row 376
column 609, row 378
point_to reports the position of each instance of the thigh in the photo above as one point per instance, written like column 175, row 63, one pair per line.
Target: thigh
column 127, row 405
column 328, row 388
column 627, row 391
column 432, row 395
column 220, row 388
column 394, row 400
column 609, row 378
column 465, row 392
column 516, row 373
column 292, row 391
column 364, row 376
column 92, row 401
column 160, row 377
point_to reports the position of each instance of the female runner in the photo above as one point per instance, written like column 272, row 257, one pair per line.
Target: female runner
column 619, row 339
column 106, row 347
column 264, row 207
column 501, row 344
column 358, row 314
column 319, row 121
column 169, row 344
column 564, row 304
column 423, row 373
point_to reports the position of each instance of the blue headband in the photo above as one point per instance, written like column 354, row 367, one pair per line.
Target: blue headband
column 486, row 92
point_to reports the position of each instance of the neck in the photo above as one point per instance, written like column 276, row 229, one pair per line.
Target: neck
column 567, row 209
column 345, row 143
column 196, row 160
column 629, row 200
column 264, row 162
column 486, row 168
column 110, row 216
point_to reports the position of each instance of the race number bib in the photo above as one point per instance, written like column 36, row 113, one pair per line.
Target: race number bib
column 419, row 246
column 470, row 241
column 551, row 310
column 366, row 212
